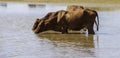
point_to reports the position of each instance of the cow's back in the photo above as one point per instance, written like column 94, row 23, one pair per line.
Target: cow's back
column 75, row 19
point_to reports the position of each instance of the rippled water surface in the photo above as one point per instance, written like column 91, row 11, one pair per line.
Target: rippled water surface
column 17, row 40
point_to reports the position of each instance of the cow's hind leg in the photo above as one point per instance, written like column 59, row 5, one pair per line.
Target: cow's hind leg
column 90, row 29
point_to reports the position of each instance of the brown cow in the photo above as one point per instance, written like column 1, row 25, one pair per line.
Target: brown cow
column 49, row 15
column 67, row 20
column 92, row 13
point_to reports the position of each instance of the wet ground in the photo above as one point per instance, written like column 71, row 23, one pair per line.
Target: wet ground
column 17, row 40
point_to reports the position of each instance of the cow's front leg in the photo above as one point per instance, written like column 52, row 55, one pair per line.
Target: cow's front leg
column 64, row 30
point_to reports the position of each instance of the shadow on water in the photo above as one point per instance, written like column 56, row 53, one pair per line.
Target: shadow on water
column 83, row 40
column 80, row 43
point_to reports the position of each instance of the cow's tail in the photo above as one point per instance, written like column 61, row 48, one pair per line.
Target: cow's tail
column 97, row 21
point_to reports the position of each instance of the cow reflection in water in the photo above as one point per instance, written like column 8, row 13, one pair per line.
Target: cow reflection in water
column 72, row 43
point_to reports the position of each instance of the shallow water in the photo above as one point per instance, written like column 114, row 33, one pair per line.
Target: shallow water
column 17, row 40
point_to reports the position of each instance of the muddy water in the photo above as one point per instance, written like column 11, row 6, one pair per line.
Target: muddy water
column 17, row 40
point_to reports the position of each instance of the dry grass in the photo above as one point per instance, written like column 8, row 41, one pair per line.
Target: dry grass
column 70, row 1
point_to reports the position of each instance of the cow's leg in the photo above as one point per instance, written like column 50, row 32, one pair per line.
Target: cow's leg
column 57, row 28
column 64, row 30
column 90, row 29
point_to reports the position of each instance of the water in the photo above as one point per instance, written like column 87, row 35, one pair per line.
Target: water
column 17, row 40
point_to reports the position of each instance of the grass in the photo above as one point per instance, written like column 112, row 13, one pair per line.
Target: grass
column 70, row 1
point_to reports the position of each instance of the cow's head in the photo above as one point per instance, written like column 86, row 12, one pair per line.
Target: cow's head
column 47, row 24
column 41, row 27
column 36, row 24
